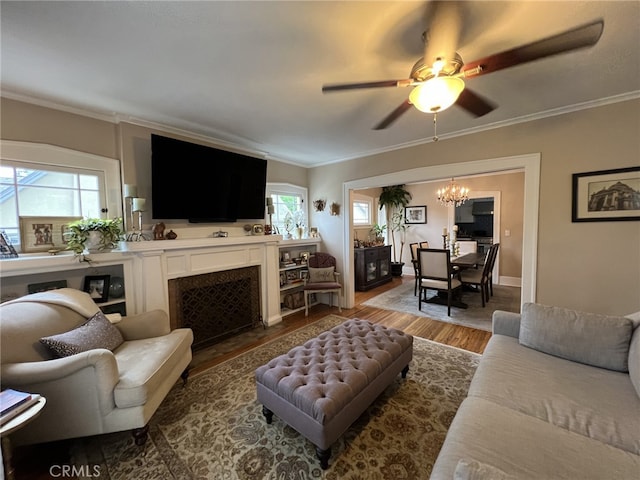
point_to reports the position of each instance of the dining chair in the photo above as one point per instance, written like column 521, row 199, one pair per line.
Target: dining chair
column 322, row 278
column 467, row 246
column 493, row 255
column 478, row 279
column 413, row 247
column 424, row 244
column 436, row 274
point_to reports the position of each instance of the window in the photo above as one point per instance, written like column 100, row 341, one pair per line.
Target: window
column 46, row 181
column 289, row 202
column 362, row 208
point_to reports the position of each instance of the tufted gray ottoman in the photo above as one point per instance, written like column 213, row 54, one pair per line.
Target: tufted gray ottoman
column 320, row 388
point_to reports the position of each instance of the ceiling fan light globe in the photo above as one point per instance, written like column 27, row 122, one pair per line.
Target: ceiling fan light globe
column 436, row 94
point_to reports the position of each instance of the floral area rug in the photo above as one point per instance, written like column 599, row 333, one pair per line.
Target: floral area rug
column 402, row 299
column 214, row 428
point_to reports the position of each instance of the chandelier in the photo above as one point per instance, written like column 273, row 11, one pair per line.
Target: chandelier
column 453, row 194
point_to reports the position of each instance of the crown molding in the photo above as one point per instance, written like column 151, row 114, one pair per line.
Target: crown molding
column 236, row 145
column 505, row 123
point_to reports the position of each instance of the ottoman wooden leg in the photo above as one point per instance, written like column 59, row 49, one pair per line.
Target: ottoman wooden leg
column 323, row 456
column 268, row 414
column 405, row 370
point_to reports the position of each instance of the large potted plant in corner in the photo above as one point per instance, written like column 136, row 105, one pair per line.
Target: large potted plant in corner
column 93, row 235
column 394, row 198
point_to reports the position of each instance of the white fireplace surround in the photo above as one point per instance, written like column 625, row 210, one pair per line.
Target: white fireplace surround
column 149, row 265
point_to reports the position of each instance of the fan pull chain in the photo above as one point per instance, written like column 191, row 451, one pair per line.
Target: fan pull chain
column 435, row 127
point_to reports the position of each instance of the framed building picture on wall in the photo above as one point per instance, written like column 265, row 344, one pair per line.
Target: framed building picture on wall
column 606, row 195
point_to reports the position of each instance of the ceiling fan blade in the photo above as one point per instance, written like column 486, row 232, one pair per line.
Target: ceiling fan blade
column 443, row 31
column 574, row 39
column 474, row 103
column 356, row 86
column 393, row 116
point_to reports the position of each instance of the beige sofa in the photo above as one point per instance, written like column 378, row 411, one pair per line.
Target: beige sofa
column 556, row 396
column 95, row 391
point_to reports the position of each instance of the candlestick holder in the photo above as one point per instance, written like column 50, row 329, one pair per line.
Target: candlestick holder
column 140, row 235
column 444, row 241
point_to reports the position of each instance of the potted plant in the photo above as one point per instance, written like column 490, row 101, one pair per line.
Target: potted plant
column 394, row 198
column 94, row 235
column 378, row 234
column 399, row 226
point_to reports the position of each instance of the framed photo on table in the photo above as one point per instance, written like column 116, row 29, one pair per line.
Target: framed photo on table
column 41, row 234
column 606, row 195
column 6, row 248
column 97, row 286
column 415, row 214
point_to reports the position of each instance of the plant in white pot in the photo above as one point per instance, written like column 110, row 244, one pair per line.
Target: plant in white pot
column 94, row 235
column 394, row 198
column 399, row 226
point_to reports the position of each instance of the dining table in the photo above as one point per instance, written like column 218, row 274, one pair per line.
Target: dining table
column 468, row 260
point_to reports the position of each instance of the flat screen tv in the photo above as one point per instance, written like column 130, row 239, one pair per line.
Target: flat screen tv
column 204, row 184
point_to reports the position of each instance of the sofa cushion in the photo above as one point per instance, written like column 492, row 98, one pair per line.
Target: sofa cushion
column 526, row 447
column 598, row 340
column 147, row 363
column 593, row 402
column 97, row 332
column 320, row 275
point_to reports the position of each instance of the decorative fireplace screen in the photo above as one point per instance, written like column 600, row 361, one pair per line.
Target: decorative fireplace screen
column 216, row 305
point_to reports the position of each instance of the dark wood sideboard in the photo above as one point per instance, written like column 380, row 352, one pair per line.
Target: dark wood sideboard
column 373, row 267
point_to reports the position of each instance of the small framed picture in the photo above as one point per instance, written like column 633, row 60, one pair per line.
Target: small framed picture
column 415, row 214
column 305, row 257
column 313, row 232
column 606, row 195
column 46, row 286
column 283, row 279
column 6, row 248
column 97, row 286
column 286, row 257
column 41, row 234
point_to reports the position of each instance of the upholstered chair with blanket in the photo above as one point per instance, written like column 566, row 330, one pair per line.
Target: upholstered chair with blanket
column 97, row 376
column 322, row 278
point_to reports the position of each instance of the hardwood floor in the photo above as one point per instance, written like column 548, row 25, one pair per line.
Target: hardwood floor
column 458, row 336
column 34, row 462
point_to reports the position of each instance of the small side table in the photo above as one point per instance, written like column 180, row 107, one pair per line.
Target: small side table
column 11, row 426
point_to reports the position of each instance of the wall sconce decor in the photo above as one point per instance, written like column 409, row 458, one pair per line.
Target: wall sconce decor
column 335, row 209
column 319, row 204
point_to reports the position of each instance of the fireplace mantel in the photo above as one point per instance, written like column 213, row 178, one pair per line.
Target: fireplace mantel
column 149, row 265
column 156, row 262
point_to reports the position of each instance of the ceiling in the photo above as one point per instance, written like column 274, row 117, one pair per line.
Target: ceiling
column 249, row 74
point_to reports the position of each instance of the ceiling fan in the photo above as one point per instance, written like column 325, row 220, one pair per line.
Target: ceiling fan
column 437, row 77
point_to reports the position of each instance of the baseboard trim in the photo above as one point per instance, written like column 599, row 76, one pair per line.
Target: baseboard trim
column 510, row 281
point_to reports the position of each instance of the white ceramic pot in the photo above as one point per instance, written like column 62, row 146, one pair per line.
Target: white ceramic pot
column 92, row 245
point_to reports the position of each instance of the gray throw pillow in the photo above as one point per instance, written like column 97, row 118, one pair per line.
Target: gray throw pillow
column 321, row 275
column 97, row 332
column 634, row 352
column 589, row 338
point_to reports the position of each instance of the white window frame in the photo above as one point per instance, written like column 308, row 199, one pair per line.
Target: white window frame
column 35, row 155
column 288, row 189
column 358, row 198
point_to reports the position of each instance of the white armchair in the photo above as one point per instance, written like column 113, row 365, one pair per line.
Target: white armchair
column 100, row 390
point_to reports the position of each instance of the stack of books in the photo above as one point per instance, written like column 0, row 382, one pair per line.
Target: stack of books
column 14, row 402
